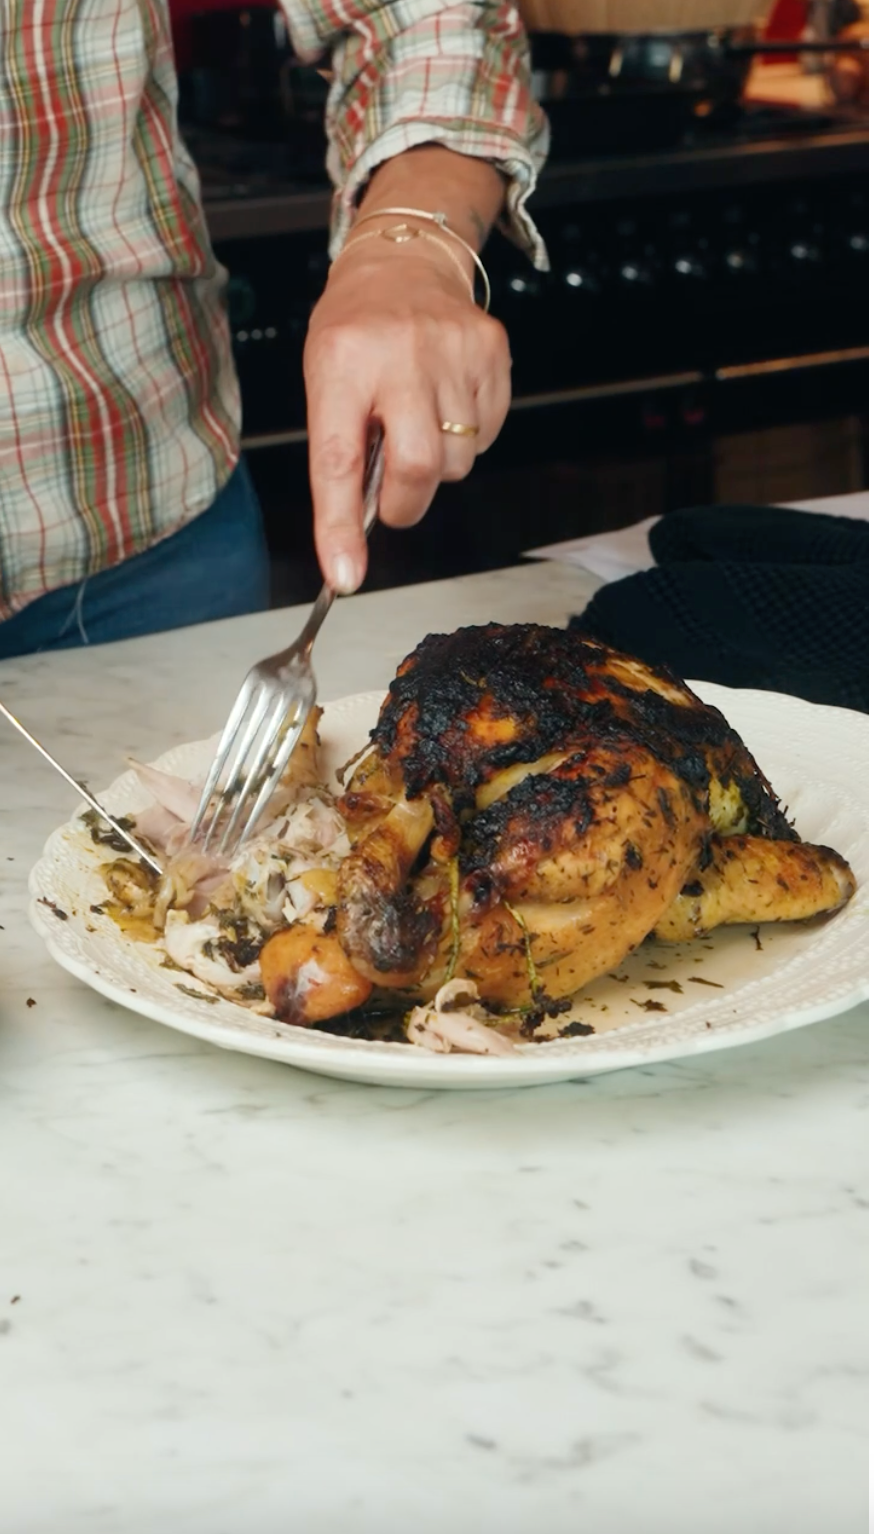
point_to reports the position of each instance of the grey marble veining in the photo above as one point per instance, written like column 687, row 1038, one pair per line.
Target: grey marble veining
column 240, row 1300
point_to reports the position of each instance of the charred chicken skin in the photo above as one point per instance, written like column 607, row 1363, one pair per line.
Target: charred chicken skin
column 535, row 804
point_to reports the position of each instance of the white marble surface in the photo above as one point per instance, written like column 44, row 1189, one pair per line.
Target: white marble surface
column 249, row 1301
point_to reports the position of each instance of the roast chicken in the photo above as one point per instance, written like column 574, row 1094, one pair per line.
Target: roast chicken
column 532, row 806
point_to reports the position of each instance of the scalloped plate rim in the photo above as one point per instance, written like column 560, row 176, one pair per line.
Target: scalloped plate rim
column 398, row 1065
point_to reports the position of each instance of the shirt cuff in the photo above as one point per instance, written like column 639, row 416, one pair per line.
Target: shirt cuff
column 418, row 72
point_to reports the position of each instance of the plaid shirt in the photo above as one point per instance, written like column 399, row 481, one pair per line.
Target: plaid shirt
column 119, row 407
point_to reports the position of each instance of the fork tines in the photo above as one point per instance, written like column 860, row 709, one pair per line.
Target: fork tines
column 265, row 724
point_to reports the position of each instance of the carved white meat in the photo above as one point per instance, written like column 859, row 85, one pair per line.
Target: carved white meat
column 447, row 1024
column 185, row 941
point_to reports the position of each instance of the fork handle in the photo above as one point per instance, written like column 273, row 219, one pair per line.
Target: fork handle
column 321, row 607
column 372, row 486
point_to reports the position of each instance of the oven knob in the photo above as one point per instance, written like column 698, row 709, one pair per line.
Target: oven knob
column 740, row 261
column 580, row 280
column 690, row 266
column 636, row 274
column 524, row 285
column 805, row 252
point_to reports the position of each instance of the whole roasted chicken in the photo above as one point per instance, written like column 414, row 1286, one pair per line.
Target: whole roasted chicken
column 535, row 804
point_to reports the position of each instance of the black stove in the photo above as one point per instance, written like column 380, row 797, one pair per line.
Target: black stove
column 714, row 287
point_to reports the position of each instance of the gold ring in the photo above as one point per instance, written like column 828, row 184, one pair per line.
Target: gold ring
column 458, row 429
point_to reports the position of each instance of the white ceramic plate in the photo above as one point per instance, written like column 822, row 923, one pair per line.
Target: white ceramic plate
column 754, row 986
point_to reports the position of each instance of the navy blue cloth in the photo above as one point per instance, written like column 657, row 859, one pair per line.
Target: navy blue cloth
column 216, row 566
column 749, row 596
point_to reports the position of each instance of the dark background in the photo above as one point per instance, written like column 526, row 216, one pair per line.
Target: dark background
column 701, row 337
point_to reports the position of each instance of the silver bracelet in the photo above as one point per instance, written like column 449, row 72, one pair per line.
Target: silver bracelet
column 442, row 222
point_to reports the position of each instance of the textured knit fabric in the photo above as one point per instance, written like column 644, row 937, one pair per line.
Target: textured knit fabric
column 119, row 407
column 750, row 597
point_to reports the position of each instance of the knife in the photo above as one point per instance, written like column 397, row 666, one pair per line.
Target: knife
column 95, row 804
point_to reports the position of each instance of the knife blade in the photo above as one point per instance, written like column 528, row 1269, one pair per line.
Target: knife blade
column 86, row 793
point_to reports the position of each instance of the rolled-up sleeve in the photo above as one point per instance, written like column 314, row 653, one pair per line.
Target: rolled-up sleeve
column 413, row 72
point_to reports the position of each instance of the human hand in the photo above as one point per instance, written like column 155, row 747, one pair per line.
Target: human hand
column 395, row 338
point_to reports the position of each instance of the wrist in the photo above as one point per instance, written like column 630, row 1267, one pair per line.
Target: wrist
column 414, row 247
column 418, row 221
column 410, row 229
column 469, row 190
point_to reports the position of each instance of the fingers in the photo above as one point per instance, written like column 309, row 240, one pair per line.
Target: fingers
column 480, row 400
column 413, row 452
column 458, row 407
column 411, row 376
column 338, row 412
column 493, row 385
column 476, row 395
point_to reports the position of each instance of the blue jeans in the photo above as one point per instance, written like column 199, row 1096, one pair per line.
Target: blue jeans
column 216, row 566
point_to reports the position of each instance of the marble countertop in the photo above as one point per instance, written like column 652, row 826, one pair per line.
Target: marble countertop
column 237, row 1299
